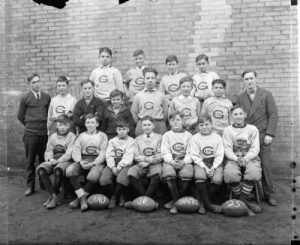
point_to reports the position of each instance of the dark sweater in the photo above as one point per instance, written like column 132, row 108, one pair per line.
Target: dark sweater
column 33, row 113
column 82, row 109
column 109, row 121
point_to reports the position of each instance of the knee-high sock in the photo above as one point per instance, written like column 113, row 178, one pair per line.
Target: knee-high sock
column 183, row 186
column 138, row 186
column 246, row 189
column 152, row 188
column 172, row 184
column 202, row 189
column 46, row 180
column 75, row 183
column 118, row 190
column 88, row 186
column 236, row 190
column 58, row 176
column 110, row 188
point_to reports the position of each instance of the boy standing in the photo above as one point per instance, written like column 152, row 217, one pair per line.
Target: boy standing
column 218, row 107
column 89, row 156
column 119, row 157
column 134, row 78
column 58, row 158
column 32, row 114
column 177, row 160
column 150, row 102
column 207, row 153
column 169, row 84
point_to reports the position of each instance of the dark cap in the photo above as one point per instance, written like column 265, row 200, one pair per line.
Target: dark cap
column 62, row 118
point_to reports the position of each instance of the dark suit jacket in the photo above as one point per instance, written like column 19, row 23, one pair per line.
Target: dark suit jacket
column 263, row 111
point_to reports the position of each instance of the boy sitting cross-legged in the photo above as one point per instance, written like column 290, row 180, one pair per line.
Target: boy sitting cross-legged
column 207, row 153
column 58, row 158
column 177, row 161
column 89, row 156
column 119, row 157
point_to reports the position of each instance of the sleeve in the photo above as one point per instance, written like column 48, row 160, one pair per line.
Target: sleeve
column 131, row 123
column 204, row 110
column 103, row 145
column 99, row 110
column 188, row 159
column 171, row 107
column 73, row 104
column 162, row 86
column 110, row 155
column 219, row 155
column 272, row 115
column 68, row 154
column 198, row 109
column 103, row 125
column 77, row 113
column 254, row 148
column 118, row 80
column 228, row 145
column 50, row 113
column 137, row 154
column 76, row 152
column 49, row 149
column 92, row 76
column 166, row 154
column 158, row 151
column 165, row 104
column 128, row 155
column 22, row 111
column 134, row 109
column 127, row 78
column 195, row 153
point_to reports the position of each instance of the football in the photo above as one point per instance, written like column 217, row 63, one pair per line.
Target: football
column 144, row 204
column 234, row 208
column 187, row 204
column 98, row 201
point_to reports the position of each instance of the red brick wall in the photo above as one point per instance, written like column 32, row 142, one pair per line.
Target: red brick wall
column 236, row 34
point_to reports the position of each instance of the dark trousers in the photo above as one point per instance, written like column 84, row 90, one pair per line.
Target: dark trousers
column 267, row 177
column 35, row 145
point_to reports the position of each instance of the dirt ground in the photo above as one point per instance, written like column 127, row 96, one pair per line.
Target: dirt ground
column 25, row 221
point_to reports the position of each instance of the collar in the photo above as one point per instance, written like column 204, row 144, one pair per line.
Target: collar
column 103, row 67
column 255, row 90
column 145, row 135
column 176, row 73
column 123, row 138
column 34, row 93
column 223, row 97
column 238, row 126
column 121, row 108
column 184, row 97
column 181, row 131
column 142, row 68
column 150, row 91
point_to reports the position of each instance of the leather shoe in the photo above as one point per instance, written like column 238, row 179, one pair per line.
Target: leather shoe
column 29, row 191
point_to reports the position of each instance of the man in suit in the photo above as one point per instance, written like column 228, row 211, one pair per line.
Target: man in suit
column 33, row 111
column 261, row 110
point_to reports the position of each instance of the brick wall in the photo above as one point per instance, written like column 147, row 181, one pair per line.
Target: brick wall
column 236, row 34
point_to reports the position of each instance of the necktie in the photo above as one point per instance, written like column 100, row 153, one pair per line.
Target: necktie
column 38, row 96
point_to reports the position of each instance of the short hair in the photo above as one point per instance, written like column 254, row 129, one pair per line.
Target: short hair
column 31, row 76
column 186, row 79
column 174, row 114
column 63, row 118
column 85, row 81
column 105, row 49
column 90, row 116
column 172, row 58
column 205, row 118
column 201, row 57
column 219, row 81
column 63, row 79
column 150, row 70
column 249, row 71
column 138, row 52
column 122, row 123
column 116, row 93
column 145, row 118
column 237, row 106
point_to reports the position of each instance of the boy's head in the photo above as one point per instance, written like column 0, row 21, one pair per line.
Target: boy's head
column 91, row 122
column 250, row 80
column 139, row 57
column 122, row 128
column 87, row 88
column 62, row 84
column 63, row 123
column 105, row 55
column 147, row 124
column 202, row 62
column 172, row 64
column 205, row 124
column 238, row 115
column 186, row 85
column 150, row 75
column 33, row 80
column 116, row 98
column 176, row 121
column 218, row 87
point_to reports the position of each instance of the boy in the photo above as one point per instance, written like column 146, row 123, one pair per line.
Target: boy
column 148, row 160
column 88, row 104
column 150, row 102
column 113, row 111
column 218, row 107
column 169, row 84
column 119, row 157
column 188, row 105
column 207, row 153
column 58, row 158
column 241, row 144
column 106, row 77
column 63, row 103
column 32, row 114
column 134, row 78
column 177, row 160
column 89, row 156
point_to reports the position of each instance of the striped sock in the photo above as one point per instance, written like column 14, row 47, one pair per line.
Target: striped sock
column 247, row 187
column 236, row 190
